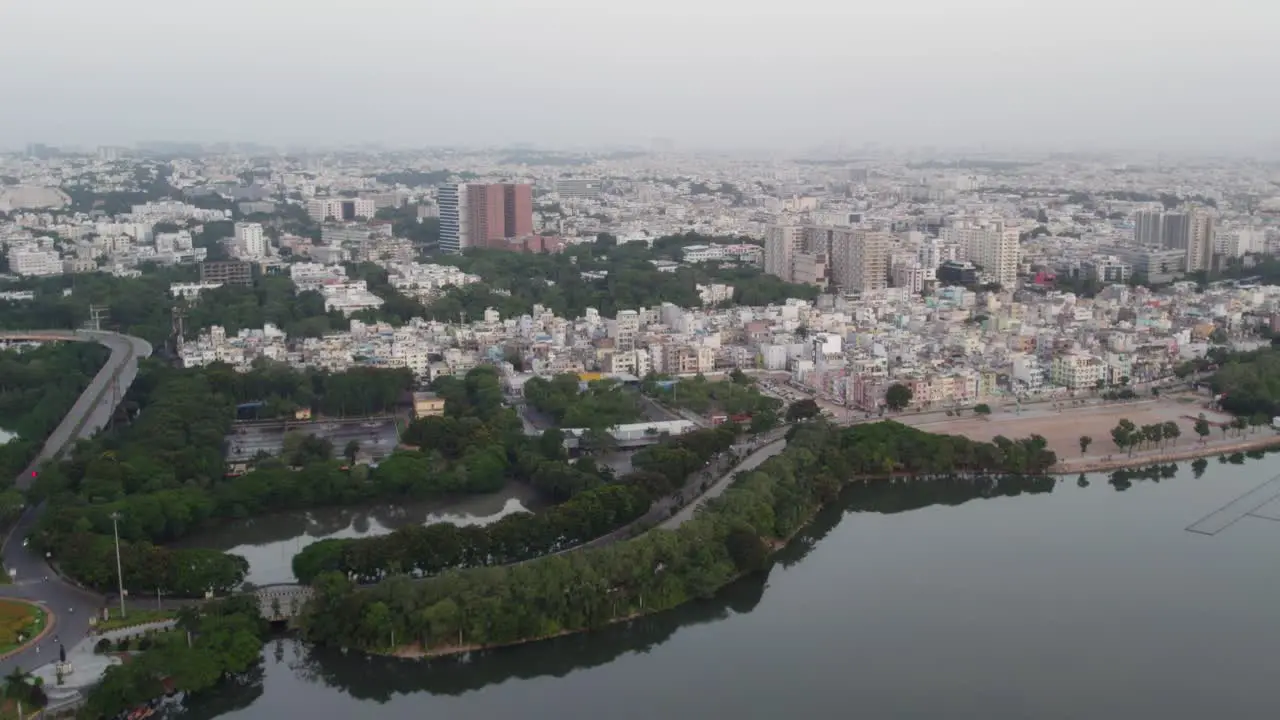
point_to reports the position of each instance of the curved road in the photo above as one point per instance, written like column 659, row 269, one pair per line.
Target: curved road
column 70, row 605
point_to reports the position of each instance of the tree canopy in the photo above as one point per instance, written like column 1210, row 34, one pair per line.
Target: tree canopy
column 659, row 569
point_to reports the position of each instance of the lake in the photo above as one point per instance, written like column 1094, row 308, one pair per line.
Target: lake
column 1038, row 599
column 270, row 542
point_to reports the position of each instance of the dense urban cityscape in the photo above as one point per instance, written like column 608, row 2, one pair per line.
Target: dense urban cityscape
column 650, row 358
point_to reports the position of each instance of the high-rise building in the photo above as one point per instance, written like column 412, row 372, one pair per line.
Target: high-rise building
column 781, row 243
column 251, row 243
column 480, row 215
column 451, row 201
column 989, row 245
column 517, row 207
column 1200, row 240
column 860, row 259
column 1175, row 231
column 1148, row 228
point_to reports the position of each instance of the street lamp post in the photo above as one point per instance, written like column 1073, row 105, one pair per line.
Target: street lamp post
column 115, row 531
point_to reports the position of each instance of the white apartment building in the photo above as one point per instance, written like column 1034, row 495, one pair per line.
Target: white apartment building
column 988, row 244
column 191, row 291
column 341, row 209
column 714, row 294
column 1077, row 371
column 251, row 242
column 350, row 297
column 173, row 242
column 31, row 261
column 624, row 328
column 702, row 253
column 313, row 276
column 426, row 279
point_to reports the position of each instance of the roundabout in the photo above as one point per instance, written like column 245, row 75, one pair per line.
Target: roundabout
column 23, row 624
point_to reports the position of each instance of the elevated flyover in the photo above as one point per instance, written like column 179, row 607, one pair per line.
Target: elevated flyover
column 71, row 605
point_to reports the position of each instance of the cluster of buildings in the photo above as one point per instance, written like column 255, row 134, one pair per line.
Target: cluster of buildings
column 956, row 348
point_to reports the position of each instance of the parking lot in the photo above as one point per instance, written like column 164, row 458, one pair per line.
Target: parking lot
column 377, row 438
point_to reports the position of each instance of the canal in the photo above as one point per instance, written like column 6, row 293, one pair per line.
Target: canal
column 1049, row 599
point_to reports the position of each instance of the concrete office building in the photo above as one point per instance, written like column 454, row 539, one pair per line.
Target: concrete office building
column 781, row 243
column 1148, row 228
column 860, row 259
column 232, row 272
column 578, row 188
column 1156, row 265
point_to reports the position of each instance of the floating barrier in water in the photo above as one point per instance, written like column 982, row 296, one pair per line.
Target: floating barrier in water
column 1247, row 504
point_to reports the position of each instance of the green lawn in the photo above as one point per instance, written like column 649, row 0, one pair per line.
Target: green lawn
column 19, row 618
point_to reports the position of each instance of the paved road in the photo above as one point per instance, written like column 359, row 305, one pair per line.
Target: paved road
column 775, row 442
column 90, row 413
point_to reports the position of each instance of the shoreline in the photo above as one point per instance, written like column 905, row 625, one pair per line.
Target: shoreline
column 1126, row 462
column 415, row 651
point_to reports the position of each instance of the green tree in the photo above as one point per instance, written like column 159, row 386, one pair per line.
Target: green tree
column 1202, row 427
column 747, row 550
column 982, row 409
column 351, row 450
column 1125, row 435
column 803, row 410
column 1085, row 442
column 898, row 396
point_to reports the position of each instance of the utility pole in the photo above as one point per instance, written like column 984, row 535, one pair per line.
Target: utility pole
column 115, row 531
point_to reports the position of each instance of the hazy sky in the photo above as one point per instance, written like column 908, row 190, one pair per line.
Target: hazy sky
column 782, row 73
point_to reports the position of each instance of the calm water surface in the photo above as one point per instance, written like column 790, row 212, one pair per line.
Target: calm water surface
column 270, row 542
column 1046, row 600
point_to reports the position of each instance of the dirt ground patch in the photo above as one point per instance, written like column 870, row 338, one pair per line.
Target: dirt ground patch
column 1063, row 428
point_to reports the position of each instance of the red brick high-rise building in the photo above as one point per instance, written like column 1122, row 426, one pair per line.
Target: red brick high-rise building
column 496, row 212
column 517, row 203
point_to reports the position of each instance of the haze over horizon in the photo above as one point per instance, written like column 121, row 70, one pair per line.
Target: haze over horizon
column 704, row 73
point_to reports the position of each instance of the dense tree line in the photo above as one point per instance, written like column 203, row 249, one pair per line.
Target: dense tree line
column 658, row 570
column 1250, row 383
column 603, row 404
column 143, row 306
column 283, row 389
column 423, row 551
column 226, row 640
column 37, row 388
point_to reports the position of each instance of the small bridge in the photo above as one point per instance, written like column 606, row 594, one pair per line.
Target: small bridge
column 282, row 602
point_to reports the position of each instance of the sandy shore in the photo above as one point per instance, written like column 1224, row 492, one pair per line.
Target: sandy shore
column 1062, row 428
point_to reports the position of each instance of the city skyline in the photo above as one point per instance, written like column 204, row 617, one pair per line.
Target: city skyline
column 705, row 74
